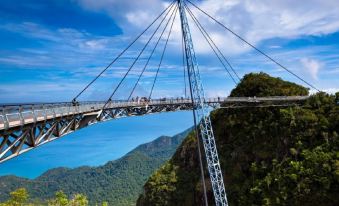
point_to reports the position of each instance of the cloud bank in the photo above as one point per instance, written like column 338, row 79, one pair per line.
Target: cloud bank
column 256, row 20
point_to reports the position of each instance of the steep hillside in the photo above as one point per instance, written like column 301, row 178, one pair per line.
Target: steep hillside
column 262, row 84
column 269, row 156
column 117, row 182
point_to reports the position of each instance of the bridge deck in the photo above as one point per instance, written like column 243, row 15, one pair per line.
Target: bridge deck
column 26, row 126
column 13, row 115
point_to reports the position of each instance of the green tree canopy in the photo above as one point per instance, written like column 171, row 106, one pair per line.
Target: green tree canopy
column 269, row 156
column 59, row 200
column 261, row 84
column 18, row 197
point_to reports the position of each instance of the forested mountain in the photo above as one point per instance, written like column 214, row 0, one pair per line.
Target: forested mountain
column 262, row 85
column 269, row 156
column 118, row 182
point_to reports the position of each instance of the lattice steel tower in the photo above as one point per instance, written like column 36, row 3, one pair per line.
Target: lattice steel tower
column 201, row 112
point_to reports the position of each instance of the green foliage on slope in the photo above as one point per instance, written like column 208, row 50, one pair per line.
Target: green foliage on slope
column 19, row 197
column 118, row 182
column 176, row 182
column 261, row 84
column 269, row 156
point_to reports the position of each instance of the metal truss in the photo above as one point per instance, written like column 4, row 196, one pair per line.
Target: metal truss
column 19, row 140
column 24, row 137
column 201, row 113
column 25, row 127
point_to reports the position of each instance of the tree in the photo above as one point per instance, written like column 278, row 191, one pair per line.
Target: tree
column 59, row 200
column 270, row 156
column 62, row 200
column 261, row 84
column 18, row 197
column 79, row 200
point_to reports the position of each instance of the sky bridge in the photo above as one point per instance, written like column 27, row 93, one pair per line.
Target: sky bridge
column 24, row 127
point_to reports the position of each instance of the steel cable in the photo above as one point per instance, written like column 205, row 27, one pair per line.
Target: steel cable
column 149, row 58
column 183, row 64
column 161, row 59
column 203, row 30
column 136, row 59
column 120, row 54
column 251, row 45
column 215, row 52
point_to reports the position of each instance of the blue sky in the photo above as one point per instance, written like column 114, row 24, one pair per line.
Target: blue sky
column 49, row 50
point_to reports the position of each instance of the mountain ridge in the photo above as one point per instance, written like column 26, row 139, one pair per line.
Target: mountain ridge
column 124, row 177
column 268, row 155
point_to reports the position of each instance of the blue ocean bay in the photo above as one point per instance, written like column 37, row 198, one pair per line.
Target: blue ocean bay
column 97, row 144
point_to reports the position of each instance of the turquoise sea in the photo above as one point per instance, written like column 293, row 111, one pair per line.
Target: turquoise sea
column 97, row 144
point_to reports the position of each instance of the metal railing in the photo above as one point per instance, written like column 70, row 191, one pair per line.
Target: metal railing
column 12, row 115
column 16, row 115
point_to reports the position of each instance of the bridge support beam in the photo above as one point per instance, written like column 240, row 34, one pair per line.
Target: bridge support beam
column 201, row 113
column 58, row 119
column 25, row 137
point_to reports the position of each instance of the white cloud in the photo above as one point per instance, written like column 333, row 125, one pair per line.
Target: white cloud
column 38, row 91
column 264, row 19
column 30, row 29
column 61, row 47
column 312, row 66
column 128, row 12
column 332, row 71
column 331, row 90
column 327, row 90
column 275, row 47
column 216, row 93
column 253, row 19
column 94, row 44
column 256, row 20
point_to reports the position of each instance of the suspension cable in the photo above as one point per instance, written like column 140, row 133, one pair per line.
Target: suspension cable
column 210, row 38
column 149, row 58
column 161, row 59
column 208, row 41
column 183, row 64
column 120, row 54
column 251, row 45
column 136, row 59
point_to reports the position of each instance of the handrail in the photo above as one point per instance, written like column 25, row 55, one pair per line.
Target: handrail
column 12, row 115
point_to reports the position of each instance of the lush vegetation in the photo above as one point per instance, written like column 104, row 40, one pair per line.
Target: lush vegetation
column 269, row 156
column 117, row 182
column 261, row 84
column 20, row 197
